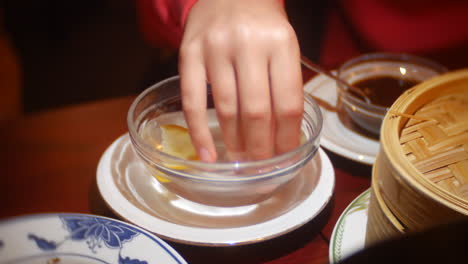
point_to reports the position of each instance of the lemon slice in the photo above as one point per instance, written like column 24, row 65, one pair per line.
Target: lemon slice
column 176, row 142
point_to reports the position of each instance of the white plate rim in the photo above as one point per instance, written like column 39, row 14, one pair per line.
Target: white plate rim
column 52, row 216
column 327, row 142
column 291, row 220
column 334, row 252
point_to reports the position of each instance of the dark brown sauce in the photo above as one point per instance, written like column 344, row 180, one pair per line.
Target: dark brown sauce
column 384, row 90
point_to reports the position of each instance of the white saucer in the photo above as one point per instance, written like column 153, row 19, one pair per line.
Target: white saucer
column 80, row 238
column 335, row 136
column 349, row 233
column 137, row 197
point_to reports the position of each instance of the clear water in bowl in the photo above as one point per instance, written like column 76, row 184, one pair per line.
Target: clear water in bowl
column 151, row 132
column 234, row 193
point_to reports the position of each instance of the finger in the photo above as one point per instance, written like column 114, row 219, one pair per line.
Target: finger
column 255, row 106
column 223, row 82
column 193, row 91
column 287, row 97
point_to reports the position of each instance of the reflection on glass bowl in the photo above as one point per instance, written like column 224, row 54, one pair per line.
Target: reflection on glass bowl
column 227, row 184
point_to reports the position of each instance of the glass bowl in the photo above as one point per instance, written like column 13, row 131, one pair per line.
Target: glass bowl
column 225, row 184
column 364, row 117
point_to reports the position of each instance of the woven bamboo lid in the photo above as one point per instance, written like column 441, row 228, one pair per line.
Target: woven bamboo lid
column 425, row 138
column 438, row 146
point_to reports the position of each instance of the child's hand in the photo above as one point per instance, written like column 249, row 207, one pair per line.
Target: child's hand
column 248, row 52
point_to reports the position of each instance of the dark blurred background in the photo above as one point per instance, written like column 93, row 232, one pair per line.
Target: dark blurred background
column 69, row 52
column 55, row 53
column 76, row 51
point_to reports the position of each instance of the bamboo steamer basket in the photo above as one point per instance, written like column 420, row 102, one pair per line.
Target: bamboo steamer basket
column 422, row 167
column 381, row 223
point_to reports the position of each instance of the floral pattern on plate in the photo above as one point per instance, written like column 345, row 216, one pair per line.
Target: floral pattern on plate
column 51, row 238
column 349, row 232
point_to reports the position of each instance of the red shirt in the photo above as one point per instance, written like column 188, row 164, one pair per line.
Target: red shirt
column 162, row 21
column 412, row 26
column 434, row 29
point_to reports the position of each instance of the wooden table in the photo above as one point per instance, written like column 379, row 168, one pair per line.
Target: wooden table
column 48, row 163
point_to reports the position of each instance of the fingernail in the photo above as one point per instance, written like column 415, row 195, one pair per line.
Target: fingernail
column 205, row 155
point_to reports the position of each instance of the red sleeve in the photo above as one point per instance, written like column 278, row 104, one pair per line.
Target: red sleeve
column 162, row 21
column 436, row 29
column 410, row 26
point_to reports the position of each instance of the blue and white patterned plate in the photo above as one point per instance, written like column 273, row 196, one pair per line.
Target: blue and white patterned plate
column 349, row 234
column 80, row 238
